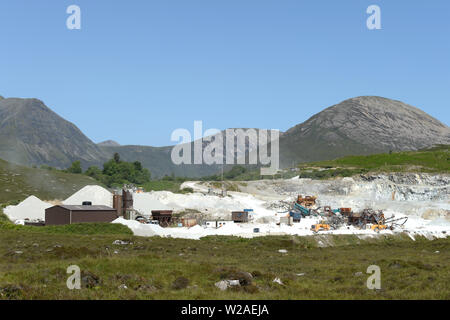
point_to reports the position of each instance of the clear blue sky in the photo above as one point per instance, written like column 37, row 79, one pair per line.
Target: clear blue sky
column 137, row 70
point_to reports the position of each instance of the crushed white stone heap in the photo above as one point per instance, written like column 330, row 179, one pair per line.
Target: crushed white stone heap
column 31, row 208
column 95, row 194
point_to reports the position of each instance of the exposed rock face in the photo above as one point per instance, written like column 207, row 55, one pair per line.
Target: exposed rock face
column 424, row 195
column 362, row 125
column 409, row 186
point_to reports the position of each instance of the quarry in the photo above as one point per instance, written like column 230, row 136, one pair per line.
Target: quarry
column 417, row 204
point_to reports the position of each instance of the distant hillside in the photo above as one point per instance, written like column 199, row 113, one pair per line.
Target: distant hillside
column 433, row 160
column 108, row 143
column 359, row 126
column 31, row 133
column 19, row 182
column 436, row 159
column 158, row 161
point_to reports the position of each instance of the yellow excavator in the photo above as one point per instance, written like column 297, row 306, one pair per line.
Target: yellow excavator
column 378, row 227
column 321, row 226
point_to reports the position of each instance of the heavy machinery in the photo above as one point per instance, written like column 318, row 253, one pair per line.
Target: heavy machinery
column 321, row 226
column 328, row 212
column 301, row 209
column 336, row 221
column 307, row 201
column 296, row 216
column 367, row 216
column 378, row 227
column 375, row 219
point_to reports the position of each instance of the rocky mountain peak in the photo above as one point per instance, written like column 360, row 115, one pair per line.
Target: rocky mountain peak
column 109, row 143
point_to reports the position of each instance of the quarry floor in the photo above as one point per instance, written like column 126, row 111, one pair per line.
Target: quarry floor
column 422, row 198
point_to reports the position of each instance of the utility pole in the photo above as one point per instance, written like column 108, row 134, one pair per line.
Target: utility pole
column 223, row 185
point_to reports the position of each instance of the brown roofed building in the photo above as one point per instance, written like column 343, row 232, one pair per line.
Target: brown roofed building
column 163, row 216
column 64, row 214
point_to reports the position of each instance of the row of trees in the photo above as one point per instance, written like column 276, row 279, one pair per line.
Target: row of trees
column 115, row 172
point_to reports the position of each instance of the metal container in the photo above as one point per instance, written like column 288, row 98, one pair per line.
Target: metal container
column 118, row 204
column 188, row 222
column 239, row 216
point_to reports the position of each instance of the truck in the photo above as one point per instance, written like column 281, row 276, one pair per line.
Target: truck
column 296, row 216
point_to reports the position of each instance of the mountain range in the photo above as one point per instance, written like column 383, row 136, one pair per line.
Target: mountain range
column 32, row 134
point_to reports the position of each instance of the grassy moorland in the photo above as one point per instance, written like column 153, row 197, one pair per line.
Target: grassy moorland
column 434, row 160
column 19, row 182
column 33, row 265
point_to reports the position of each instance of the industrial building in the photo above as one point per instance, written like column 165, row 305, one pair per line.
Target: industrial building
column 163, row 216
column 69, row 214
column 216, row 223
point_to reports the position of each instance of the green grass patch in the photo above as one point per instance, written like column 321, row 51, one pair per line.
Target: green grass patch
column 19, row 182
column 84, row 229
column 434, row 160
column 33, row 266
column 162, row 185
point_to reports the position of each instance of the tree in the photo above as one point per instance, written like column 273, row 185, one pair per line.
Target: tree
column 116, row 172
column 234, row 172
column 138, row 165
column 75, row 168
column 94, row 172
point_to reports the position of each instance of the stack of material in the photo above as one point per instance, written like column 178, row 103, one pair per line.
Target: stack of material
column 146, row 202
column 95, row 194
column 31, row 208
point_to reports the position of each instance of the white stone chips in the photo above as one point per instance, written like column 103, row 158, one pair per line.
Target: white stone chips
column 31, row 208
column 95, row 194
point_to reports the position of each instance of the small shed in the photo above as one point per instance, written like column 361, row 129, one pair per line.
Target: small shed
column 69, row 214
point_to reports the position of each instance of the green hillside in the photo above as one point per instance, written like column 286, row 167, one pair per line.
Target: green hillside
column 433, row 160
column 18, row 182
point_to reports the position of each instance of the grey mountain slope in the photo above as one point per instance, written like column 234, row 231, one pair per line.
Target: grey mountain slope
column 32, row 134
column 159, row 161
column 108, row 143
column 362, row 125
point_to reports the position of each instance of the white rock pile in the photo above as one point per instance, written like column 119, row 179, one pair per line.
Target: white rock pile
column 31, row 208
column 95, row 194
